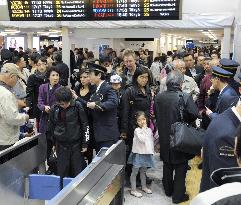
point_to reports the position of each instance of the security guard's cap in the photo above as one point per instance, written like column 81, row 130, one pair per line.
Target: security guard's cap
column 6, row 54
column 93, row 66
column 229, row 65
column 221, row 73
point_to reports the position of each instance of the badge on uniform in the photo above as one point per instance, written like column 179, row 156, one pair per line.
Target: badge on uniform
column 226, row 151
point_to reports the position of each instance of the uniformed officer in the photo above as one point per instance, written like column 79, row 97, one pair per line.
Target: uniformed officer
column 218, row 144
column 227, row 96
column 231, row 66
column 103, row 105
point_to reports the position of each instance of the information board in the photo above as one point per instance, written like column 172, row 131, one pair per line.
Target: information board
column 79, row 10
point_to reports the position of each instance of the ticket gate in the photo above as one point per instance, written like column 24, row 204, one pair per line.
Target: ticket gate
column 102, row 182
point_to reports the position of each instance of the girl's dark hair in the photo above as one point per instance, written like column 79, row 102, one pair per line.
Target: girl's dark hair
column 238, row 146
column 138, row 114
column 139, row 71
column 50, row 70
column 63, row 94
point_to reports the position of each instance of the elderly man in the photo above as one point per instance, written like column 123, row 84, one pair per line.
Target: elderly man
column 10, row 118
column 167, row 113
column 189, row 85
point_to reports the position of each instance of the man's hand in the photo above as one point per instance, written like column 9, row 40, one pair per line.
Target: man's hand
column 208, row 111
column 29, row 134
column 47, row 108
column 91, row 105
column 75, row 96
column 84, row 150
column 123, row 136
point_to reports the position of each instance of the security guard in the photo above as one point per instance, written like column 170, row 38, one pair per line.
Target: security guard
column 103, row 105
column 227, row 96
column 218, row 146
column 231, row 66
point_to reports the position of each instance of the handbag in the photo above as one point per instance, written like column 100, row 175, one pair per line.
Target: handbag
column 184, row 137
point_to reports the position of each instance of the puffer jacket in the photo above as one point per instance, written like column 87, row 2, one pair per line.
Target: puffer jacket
column 69, row 126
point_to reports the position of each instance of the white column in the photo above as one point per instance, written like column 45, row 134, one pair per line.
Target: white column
column 158, row 46
column 30, row 40
column 166, row 43
column 237, row 43
column 66, row 46
column 226, row 42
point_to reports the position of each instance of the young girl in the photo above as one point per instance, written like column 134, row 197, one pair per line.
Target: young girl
column 141, row 156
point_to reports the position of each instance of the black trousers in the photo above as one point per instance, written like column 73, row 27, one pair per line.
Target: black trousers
column 174, row 186
column 99, row 145
column 70, row 161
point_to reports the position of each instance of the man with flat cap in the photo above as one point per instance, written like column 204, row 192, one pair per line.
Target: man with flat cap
column 103, row 105
column 227, row 96
column 10, row 118
column 231, row 66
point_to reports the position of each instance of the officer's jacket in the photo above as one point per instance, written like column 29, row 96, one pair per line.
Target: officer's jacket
column 105, row 114
column 226, row 99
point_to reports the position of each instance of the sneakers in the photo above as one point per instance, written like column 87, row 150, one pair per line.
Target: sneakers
column 146, row 190
column 136, row 194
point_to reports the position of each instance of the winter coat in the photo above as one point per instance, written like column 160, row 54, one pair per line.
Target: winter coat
column 167, row 112
column 10, row 118
column 32, row 91
column 218, row 146
column 69, row 126
column 132, row 101
column 104, row 115
column 46, row 97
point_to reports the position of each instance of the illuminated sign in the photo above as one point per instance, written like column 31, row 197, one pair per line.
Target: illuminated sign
column 65, row 10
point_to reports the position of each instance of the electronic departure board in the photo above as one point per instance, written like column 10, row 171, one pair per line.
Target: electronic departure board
column 89, row 10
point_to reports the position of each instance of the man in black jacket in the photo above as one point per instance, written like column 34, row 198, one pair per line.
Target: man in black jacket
column 70, row 131
column 167, row 113
column 196, row 72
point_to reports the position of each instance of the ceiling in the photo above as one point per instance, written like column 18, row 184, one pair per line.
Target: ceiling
column 195, row 34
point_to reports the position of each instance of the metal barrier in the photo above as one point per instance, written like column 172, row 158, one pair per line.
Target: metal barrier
column 16, row 163
column 101, row 184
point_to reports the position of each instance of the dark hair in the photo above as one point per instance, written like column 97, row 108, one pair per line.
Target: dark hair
column 63, row 94
column 43, row 59
column 96, row 72
column 35, row 58
column 139, row 71
column 238, row 145
column 57, row 57
column 156, row 59
column 50, row 70
column 188, row 54
column 16, row 59
column 138, row 114
column 169, row 53
column 90, row 54
column 85, row 70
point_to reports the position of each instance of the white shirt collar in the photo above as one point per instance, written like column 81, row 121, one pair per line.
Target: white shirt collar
column 98, row 87
column 222, row 89
column 236, row 113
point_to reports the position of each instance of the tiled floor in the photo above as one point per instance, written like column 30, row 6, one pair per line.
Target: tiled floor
column 158, row 197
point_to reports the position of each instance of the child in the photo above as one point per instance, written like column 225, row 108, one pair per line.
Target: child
column 70, row 131
column 141, row 156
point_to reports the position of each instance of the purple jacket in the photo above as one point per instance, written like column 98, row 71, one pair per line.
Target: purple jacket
column 45, row 97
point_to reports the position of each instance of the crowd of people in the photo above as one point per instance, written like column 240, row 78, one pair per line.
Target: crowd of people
column 98, row 101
